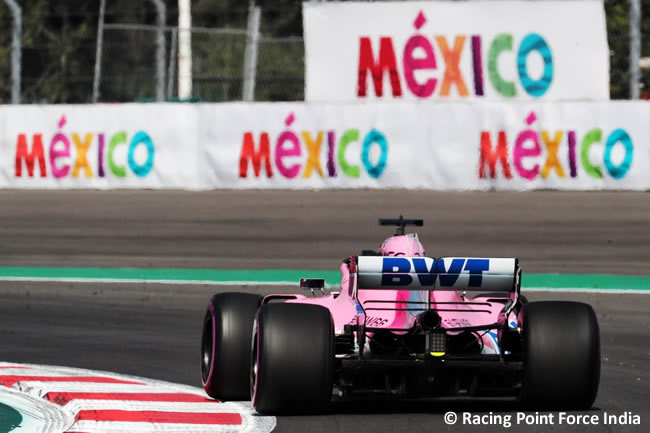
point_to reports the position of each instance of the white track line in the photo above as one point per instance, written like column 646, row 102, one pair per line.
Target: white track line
column 275, row 283
column 579, row 290
column 39, row 389
column 35, row 372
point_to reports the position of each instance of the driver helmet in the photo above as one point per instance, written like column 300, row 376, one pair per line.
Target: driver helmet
column 402, row 245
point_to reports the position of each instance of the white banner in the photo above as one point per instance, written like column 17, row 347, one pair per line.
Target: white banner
column 497, row 50
column 296, row 145
column 451, row 146
column 99, row 146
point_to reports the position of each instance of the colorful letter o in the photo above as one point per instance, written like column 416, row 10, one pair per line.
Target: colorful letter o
column 144, row 169
column 619, row 136
column 534, row 42
column 374, row 136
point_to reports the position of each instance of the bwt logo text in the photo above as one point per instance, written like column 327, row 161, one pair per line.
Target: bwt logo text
column 300, row 153
column 112, row 153
column 419, row 54
column 396, row 271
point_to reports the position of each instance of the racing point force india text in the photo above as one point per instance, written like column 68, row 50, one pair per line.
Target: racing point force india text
column 559, row 418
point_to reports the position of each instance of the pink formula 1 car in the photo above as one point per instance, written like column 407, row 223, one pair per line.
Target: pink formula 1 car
column 403, row 325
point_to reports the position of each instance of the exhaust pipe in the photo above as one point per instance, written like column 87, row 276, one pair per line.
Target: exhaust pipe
column 429, row 320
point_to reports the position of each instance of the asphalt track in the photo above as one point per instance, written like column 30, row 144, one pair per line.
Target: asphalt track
column 153, row 330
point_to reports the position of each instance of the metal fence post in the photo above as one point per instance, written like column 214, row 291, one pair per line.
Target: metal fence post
column 98, row 51
column 16, row 48
column 160, row 50
column 173, row 53
column 184, row 49
column 250, row 56
column 635, row 48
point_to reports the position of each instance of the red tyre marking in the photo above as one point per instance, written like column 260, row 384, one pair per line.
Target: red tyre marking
column 151, row 416
column 63, row 398
column 12, row 380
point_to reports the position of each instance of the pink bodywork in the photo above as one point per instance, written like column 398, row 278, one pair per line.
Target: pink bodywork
column 343, row 306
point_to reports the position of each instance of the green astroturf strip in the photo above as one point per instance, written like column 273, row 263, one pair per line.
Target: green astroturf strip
column 551, row 281
column 10, row 418
column 586, row 281
column 226, row 275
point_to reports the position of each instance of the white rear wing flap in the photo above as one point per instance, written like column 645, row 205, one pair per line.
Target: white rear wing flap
column 447, row 273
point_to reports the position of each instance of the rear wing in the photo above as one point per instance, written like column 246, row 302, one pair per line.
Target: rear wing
column 401, row 223
column 447, row 273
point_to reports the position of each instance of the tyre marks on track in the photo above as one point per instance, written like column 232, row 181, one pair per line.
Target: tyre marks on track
column 99, row 402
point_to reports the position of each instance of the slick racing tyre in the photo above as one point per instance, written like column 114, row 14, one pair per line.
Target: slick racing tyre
column 293, row 359
column 226, row 345
column 561, row 355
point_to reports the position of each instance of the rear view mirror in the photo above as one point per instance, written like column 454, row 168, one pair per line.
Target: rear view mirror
column 312, row 283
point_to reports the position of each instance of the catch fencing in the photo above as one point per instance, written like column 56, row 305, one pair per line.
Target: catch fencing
column 51, row 54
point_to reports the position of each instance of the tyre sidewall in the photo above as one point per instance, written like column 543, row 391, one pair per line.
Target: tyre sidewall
column 295, row 359
column 561, row 355
column 231, row 316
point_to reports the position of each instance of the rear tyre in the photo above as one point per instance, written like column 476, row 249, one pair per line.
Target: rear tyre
column 293, row 359
column 562, row 356
column 226, row 345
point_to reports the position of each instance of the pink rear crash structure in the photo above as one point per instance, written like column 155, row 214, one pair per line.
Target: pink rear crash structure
column 402, row 325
